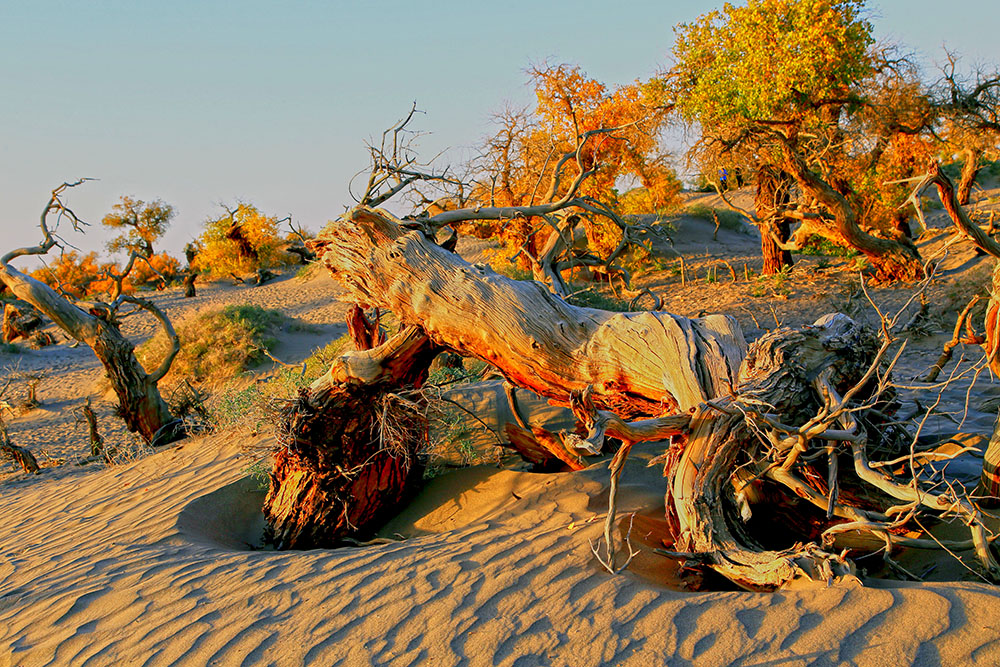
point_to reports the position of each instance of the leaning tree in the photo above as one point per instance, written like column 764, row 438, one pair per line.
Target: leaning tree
column 789, row 426
column 95, row 323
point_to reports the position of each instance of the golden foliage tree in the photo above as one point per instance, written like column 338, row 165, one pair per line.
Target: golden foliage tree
column 546, row 183
column 242, row 241
column 778, row 84
column 74, row 274
column 141, row 224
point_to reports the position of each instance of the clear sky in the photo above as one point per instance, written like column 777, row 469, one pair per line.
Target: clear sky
column 201, row 102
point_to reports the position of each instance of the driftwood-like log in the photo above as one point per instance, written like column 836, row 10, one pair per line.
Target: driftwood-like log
column 350, row 447
column 19, row 321
column 688, row 379
column 19, row 455
column 639, row 364
column 777, row 373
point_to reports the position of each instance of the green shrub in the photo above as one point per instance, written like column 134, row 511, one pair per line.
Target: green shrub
column 819, row 246
column 590, row 298
column 728, row 219
column 217, row 344
column 241, row 402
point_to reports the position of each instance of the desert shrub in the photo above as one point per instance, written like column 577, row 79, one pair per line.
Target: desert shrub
column 83, row 276
column 77, row 275
column 241, row 242
column 252, row 404
column 728, row 219
column 502, row 265
column 821, row 246
column 658, row 201
column 590, row 298
column 216, row 344
column 143, row 277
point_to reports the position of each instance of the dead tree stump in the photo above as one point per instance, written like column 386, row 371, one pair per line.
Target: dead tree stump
column 19, row 321
column 351, row 443
column 19, row 455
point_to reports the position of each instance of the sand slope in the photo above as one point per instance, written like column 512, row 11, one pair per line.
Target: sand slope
column 142, row 565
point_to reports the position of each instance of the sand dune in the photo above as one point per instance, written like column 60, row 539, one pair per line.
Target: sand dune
column 148, row 564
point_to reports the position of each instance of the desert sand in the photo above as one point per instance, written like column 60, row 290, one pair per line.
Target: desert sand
column 156, row 560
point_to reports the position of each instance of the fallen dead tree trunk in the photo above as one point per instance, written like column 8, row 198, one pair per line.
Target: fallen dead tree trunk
column 19, row 321
column 776, row 423
column 637, row 363
column 19, row 455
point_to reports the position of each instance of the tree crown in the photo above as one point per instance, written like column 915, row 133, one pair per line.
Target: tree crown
column 144, row 222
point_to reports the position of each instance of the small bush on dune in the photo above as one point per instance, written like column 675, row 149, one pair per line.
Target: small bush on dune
column 216, row 344
column 143, row 276
column 728, row 219
column 819, row 246
column 240, row 403
column 77, row 275
column 83, row 276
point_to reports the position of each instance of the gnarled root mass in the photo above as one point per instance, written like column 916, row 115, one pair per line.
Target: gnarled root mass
column 737, row 448
column 350, row 447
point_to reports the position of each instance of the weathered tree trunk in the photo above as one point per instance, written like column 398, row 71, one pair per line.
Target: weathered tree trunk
column 772, row 195
column 890, row 260
column 304, row 254
column 961, row 220
column 990, row 481
column 18, row 324
column 189, row 277
column 970, row 167
column 730, row 428
column 638, row 363
column 351, row 451
column 781, row 367
column 364, row 333
column 96, row 441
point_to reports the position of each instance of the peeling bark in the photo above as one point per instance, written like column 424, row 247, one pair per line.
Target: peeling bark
column 639, row 364
column 694, row 380
column 778, row 369
column 970, row 167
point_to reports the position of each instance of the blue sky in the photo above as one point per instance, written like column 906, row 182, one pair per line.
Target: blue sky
column 198, row 103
